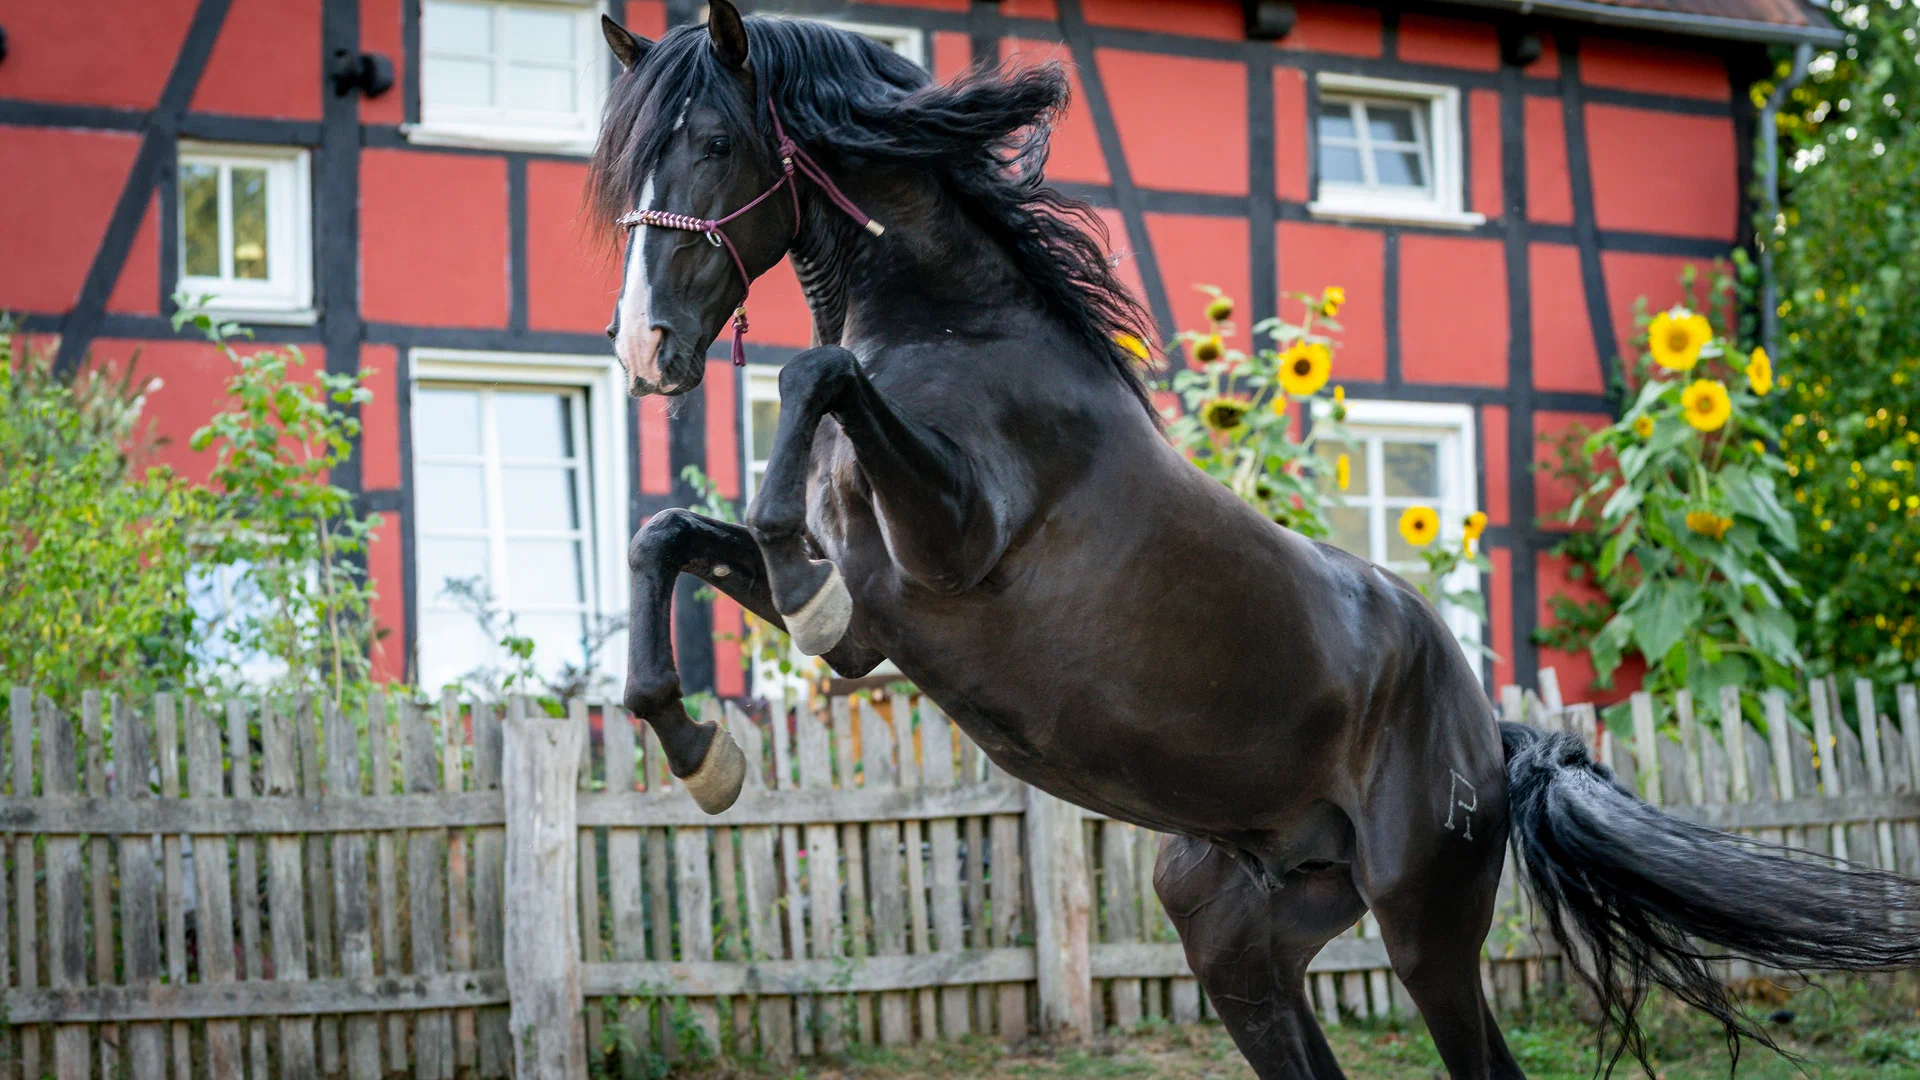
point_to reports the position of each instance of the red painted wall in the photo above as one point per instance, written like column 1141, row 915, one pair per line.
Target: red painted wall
column 56, row 216
column 439, row 261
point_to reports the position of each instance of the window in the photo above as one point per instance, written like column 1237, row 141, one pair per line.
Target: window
column 246, row 231
column 1403, row 454
column 1389, row 151
column 223, row 597
column 518, row 514
column 526, row 74
column 759, row 416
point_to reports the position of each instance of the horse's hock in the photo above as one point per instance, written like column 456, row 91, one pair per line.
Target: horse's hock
column 456, row 889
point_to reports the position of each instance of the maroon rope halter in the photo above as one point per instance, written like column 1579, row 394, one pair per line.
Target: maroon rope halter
column 791, row 156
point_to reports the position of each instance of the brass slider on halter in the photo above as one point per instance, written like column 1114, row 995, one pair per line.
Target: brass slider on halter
column 790, row 156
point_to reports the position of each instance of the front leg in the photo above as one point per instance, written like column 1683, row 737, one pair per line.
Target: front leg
column 723, row 555
column 940, row 531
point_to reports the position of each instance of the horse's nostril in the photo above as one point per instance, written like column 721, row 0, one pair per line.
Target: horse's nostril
column 613, row 330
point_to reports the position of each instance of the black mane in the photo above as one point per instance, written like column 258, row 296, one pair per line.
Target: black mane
column 842, row 95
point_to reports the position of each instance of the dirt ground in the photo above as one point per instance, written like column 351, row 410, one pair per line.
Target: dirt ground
column 1844, row 1031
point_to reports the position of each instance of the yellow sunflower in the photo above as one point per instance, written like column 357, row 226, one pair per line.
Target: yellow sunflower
column 1343, row 471
column 1676, row 337
column 1224, row 414
column 1331, row 300
column 1134, row 347
column 1304, row 367
column 1208, row 349
column 1643, row 426
column 1709, row 524
column 1475, row 525
column 1760, row 372
column 1419, row 525
column 1706, row 404
column 1339, row 395
column 1221, row 309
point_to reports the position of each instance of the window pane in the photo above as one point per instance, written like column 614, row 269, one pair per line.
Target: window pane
column 249, row 223
column 1399, row 168
column 1390, row 123
column 1413, row 469
column 538, row 497
column 765, row 418
column 447, row 422
column 1336, row 120
column 200, row 218
column 542, row 89
column 546, row 572
column 536, row 34
column 1402, row 556
column 450, row 497
column 451, row 645
column 458, row 82
column 534, row 425
column 442, row 559
column 557, row 639
column 1350, row 530
column 1330, row 452
column 1341, row 163
column 457, row 28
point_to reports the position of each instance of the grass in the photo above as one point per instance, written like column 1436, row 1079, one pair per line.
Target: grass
column 1842, row 1030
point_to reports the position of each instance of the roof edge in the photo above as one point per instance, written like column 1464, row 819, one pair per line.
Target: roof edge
column 1712, row 26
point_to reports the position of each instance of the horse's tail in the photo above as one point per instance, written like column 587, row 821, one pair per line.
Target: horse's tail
column 1645, row 894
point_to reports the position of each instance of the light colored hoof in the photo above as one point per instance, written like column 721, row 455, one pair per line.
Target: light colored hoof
column 716, row 783
column 822, row 621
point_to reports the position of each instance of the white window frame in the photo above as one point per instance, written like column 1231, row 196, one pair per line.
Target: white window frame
column 506, row 129
column 604, row 385
column 1437, row 110
column 286, row 296
column 1452, row 428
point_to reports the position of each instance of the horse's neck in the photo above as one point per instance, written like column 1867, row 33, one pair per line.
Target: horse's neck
column 820, row 258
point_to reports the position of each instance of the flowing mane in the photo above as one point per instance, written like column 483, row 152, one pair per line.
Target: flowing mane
column 843, row 96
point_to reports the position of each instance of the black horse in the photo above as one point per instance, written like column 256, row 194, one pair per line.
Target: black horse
column 968, row 479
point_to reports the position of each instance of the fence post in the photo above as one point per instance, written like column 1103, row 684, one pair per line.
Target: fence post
column 541, row 761
column 1062, row 905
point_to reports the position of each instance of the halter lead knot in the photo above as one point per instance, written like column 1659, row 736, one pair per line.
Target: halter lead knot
column 790, row 156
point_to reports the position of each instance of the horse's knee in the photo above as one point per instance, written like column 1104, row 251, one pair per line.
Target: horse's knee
column 814, row 370
column 650, row 695
column 660, row 540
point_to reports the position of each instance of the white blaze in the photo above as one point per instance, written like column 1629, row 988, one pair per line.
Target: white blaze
column 636, row 327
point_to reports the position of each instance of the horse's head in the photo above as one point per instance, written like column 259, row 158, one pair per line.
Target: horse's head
column 680, row 137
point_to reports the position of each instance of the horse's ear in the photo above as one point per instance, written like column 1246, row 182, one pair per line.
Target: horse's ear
column 628, row 47
column 727, row 33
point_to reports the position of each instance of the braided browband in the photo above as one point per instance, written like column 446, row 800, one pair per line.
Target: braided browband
column 790, row 154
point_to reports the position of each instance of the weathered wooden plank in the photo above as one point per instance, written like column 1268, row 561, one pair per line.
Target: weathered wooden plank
column 213, row 917
column 1907, row 702
column 592, row 943
column 973, row 846
column 386, row 870
column 827, row 930
column 1005, row 897
column 853, row 855
column 489, row 892
column 626, row 907
column 1117, row 884
column 884, row 870
column 920, row 927
column 787, row 778
column 1869, row 715
column 459, row 889
column 350, row 908
column 269, row 998
column 139, row 908
column 286, row 899
column 1646, row 748
column 100, row 872
column 762, row 887
column 25, row 906
column 877, row 974
column 660, row 870
column 1690, row 745
column 692, row 850
column 1733, row 728
column 943, row 841
column 426, row 894
column 730, row 935
column 247, row 866
column 1780, row 737
column 66, row 904
column 541, row 761
column 319, row 895
column 1826, row 757
column 1062, row 902
column 167, row 757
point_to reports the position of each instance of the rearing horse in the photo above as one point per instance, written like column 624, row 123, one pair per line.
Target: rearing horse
column 968, row 478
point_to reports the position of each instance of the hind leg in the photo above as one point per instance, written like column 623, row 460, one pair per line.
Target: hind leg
column 1249, row 945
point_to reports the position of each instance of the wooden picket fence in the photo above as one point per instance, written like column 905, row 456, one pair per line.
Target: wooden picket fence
column 451, row 888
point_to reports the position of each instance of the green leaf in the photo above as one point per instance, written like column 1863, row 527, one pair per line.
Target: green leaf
column 1663, row 610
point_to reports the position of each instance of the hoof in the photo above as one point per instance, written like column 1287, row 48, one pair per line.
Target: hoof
column 822, row 621
column 716, row 783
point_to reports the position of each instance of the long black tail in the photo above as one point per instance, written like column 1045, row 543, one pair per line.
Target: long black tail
column 1652, row 899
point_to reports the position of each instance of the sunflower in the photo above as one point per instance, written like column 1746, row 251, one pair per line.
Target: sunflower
column 1643, row 426
column 1331, row 300
column 1707, row 405
column 1419, row 525
column 1221, row 309
column 1709, row 524
column 1471, row 529
column 1760, row 372
column 1134, row 347
column 1208, row 349
column 1676, row 337
column 1224, row 414
column 1304, row 367
column 1343, row 471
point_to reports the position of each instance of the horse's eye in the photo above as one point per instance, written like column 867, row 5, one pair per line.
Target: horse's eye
column 719, row 146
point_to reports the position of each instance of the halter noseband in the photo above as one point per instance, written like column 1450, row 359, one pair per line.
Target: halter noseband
column 790, row 156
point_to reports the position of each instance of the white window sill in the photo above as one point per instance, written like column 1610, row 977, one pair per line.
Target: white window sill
column 1392, row 214
column 263, row 315
column 484, row 137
